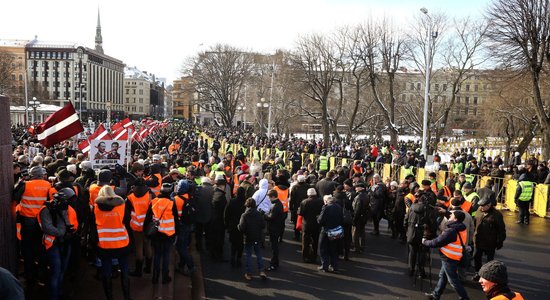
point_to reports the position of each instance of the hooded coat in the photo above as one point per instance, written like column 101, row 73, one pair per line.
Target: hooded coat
column 108, row 204
column 260, row 196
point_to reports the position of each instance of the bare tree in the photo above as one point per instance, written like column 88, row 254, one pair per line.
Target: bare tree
column 7, row 68
column 316, row 66
column 220, row 75
column 519, row 31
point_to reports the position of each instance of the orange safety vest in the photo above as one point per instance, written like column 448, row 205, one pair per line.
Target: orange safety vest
column 18, row 223
column 54, row 191
column 140, row 205
column 36, row 193
column 447, row 193
column 195, row 163
column 283, row 197
column 110, row 228
column 235, row 184
column 466, row 206
column 156, row 189
column 411, row 197
column 47, row 239
column 162, row 211
column 433, row 186
column 94, row 191
column 173, row 148
column 517, row 296
column 180, row 201
column 454, row 250
column 356, row 170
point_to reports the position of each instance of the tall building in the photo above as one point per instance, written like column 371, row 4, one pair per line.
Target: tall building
column 59, row 72
column 12, row 52
column 182, row 97
column 144, row 95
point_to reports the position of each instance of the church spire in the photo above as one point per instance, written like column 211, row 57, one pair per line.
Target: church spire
column 98, row 38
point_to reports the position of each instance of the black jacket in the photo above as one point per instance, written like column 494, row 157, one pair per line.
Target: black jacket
column 378, row 197
column 204, row 203
column 310, row 209
column 421, row 222
column 298, row 193
column 275, row 218
column 490, row 230
column 251, row 224
column 360, row 207
column 331, row 216
column 219, row 201
column 325, row 187
column 234, row 210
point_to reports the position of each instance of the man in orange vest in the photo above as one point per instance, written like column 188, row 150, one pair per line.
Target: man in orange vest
column 138, row 203
column 108, row 231
column 451, row 243
column 31, row 194
column 58, row 221
column 163, row 211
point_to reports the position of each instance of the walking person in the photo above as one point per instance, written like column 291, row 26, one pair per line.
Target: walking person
column 378, row 199
column 138, row 203
column 185, row 224
column 489, row 234
column 450, row 244
column 330, row 220
column 108, row 232
column 275, row 219
column 162, row 211
column 251, row 225
column 309, row 209
column 232, row 215
column 360, row 213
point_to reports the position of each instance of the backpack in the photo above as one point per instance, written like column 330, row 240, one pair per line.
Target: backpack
column 188, row 213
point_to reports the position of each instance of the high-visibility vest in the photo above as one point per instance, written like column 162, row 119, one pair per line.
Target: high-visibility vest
column 245, row 151
column 94, row 191
column 356, row 170
column 182, row 170
column 195, row 163
column 280, row 153
column 470, row 197
column 458, row 187
column 198, row 180
column 35, row 194
column 111, row 231
column 470, row 178
column 156, row 189
column 47, row 239
column 465, row 206
column 454, row 250
column 526, row 190
column 180, row 201
column 323, row 163
column 283, row 197
column 256, row 154
column 18, row 223
column 457, row 168
column 409, row 171
column 517, row 296
column 434, row 187
column 140, row 205
column 54, row 191
column 235, row 183
column 411, row 197
column 447, row 194
column 162, row 211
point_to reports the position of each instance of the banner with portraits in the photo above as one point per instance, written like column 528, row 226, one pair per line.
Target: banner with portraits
column 107, row 153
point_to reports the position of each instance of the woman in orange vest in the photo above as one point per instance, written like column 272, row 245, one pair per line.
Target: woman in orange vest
column 162, row 211
column 109, row 233
column 58, row 222
column 137, row 203
column 494, row 282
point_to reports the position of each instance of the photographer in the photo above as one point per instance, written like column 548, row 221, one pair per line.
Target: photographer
column 58, row 221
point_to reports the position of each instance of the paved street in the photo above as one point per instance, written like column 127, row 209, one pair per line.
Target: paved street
column 380, row 273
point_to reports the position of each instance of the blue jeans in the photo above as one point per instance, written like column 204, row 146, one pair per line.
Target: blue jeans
column 259, row 259
column 328, row 250
column 107, row 261
column 182, row 246
column 449, row 272
column 58, row 259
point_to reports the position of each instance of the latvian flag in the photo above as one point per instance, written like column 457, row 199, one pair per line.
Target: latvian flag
column 100, row 134
column 119, row 131
column 59, row 126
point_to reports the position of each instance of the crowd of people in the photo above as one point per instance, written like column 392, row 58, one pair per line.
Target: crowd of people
column 182, row 187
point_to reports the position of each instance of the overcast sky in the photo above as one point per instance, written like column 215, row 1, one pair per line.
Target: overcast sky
column 157, row 36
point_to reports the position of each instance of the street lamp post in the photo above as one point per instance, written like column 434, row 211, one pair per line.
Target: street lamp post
column 108, row 106
column 427, row 87
column 261, row 105
column 34, row 104
column 242, row 109
column 270, row 101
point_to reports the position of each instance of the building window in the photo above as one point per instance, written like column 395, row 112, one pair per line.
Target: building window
column 466, row 111
column 475, row 100
column 140, row 100
column 475, row 111
column 467, row 100
column 141, row 92
column 444, row 87
column 467, row 87
column 418, row 86
column 140, row 109
column 127, row 91
column 457, row 99
column 475, row 87
column 412, row 86
column 436, row 86
column 20, row 77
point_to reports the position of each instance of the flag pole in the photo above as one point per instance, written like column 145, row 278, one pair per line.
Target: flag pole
column 129, row 149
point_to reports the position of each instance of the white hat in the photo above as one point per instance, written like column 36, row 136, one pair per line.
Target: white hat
column 86, row 164
column 206, row 180
column 156, row 157
column 394, row 183
column 301, row 178
column 311, row 192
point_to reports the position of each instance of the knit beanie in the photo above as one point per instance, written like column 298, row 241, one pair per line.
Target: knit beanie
column 494, row 271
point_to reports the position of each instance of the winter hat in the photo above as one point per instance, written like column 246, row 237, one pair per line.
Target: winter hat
column 426, row 182
column 105, row 175
column 467, row 185
column 494, row 271
column 456, row 202
column 71, row 168
column 394, row 184
column 311, row 192
column 86, row 164
column 65, row 175
column 301, row 178
column 37, row 172
column 183, row 187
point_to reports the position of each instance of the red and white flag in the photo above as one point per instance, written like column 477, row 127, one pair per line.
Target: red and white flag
column 100, row 134
column 59, row 126
column 126, row 123
column 143, row 133
column 121, row 133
